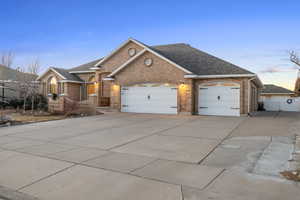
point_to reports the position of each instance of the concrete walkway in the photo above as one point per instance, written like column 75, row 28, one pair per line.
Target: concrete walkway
column 140, row 156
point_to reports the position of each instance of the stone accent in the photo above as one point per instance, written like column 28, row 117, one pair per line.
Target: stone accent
column 56, row 106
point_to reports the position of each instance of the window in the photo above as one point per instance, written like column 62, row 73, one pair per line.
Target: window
column 52, row 85
column 62, row 88
column 131, row 52
column 91, row 89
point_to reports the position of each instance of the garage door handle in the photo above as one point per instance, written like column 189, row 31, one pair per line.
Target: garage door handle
column 234, row 108
column 202, row 107
column 173, row 106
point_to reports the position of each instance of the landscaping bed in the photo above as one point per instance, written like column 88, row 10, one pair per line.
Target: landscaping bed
column 12, row 117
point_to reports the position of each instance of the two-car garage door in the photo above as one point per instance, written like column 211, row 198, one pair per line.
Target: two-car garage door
column 214, row 99
column 149, row 98
column 219, row 99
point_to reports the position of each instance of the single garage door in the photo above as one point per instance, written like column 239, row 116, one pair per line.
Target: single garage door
column 219, row 99
column 149, row 98
column 281, row 103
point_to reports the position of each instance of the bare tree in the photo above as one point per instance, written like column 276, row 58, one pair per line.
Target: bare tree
column 33, row 68
column 294, row 58
column 7, row 59
column 26, row 85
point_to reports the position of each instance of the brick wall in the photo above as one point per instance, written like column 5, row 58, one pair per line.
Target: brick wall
column 73, row 91
column 56, row 105
column 159, row 72
column 120, row 57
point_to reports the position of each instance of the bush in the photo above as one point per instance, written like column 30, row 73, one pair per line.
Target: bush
column 40, row 103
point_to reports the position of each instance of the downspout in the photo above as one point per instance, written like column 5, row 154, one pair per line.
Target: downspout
column 249, row 93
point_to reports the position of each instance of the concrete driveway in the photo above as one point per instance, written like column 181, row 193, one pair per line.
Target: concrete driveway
column 140, row 156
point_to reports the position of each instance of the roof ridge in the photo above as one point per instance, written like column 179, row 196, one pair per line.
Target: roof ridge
column 171, row 44
column 218, row 58
column 84, row 64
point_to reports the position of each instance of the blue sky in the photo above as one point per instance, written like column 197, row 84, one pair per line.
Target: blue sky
column 253, row 34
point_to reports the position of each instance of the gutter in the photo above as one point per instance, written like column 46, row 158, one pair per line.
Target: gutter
column 80, row 72
column 218, row 76
column 249, row 86
column 277, row 93
column 108, row 79
column 69, row 81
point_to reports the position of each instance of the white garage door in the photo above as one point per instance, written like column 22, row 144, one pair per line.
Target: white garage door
column 149, row 98
column 281, row 103
column 219, row 99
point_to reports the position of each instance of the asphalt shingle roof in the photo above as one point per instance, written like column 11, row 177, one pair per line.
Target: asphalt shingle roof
column 192, row 59
column 66, row 74
column 86, row 66
column 270, row 88
column 13, row 75
column 196, row 61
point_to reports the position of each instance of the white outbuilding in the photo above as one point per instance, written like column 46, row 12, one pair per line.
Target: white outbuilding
column 276, row 98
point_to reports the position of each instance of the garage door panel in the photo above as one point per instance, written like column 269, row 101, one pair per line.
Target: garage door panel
column 219, row 99
column 161, row 99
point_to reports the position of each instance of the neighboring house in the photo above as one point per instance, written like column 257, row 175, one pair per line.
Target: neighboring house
column 9, row 79
column 169, row 79
column 277, row 98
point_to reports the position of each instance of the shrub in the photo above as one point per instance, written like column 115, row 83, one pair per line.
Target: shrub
column 40, row 103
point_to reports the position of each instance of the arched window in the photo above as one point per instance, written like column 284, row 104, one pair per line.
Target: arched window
column 52, row 85
column 91, row 89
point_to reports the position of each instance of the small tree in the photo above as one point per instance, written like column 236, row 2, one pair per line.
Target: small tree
column 33, row 68
column 26, row 85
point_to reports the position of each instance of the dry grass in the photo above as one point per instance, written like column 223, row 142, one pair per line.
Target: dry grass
column 35, row 118
column 292, row 175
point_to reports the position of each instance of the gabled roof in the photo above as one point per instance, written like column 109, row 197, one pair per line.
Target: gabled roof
column 186, row 58
column 274, row 89
column 63, row 73
column 85, row 67
column 147, row 48
column 68, row 76
column 8, row 74
column 196, row 61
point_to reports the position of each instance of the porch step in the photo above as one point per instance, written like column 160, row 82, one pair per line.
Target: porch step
column 106, row 109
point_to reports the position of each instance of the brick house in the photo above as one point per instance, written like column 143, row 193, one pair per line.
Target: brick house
column 168, row 79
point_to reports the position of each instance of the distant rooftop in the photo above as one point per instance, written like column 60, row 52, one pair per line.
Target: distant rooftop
column 274, row 89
